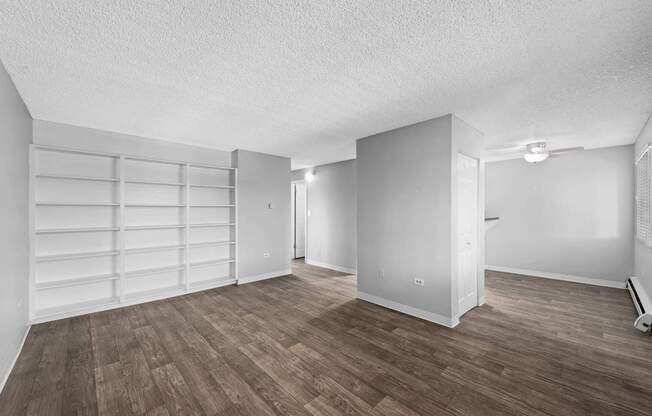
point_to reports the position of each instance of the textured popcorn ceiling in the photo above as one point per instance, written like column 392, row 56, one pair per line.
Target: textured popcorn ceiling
column 305, row 79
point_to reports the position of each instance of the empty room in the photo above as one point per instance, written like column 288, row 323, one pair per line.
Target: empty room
column 322, row 208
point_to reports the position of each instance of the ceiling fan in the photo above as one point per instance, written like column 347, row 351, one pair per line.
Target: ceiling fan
column 535, row 152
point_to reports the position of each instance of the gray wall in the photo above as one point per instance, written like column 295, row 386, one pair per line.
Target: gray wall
column 15, row 137
column 404, row 215
column 263, row 179
column 331, row 226
column 571, row 215
column 643, row 254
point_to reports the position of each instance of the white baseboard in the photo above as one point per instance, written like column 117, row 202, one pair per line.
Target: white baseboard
column 5, row 376
column 409, row 310
column 331, row 266
column 264, row 276
column 558, row 276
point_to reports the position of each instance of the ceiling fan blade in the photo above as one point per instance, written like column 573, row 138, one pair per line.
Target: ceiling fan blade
column 506, row 148
column 566, row 150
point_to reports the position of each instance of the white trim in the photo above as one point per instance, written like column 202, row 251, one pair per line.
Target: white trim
column 556, row 276
column 643, row 152
column 330, row 266
column 264, row 276
column 409, row 310
column 5, row 376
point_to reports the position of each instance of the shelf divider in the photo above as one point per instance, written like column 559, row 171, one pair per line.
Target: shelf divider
column 212, row 224
column 186, row 275
column 144, row 182
column 73, row 256
column 153, row 227
column 75, row 230
column 121, row 233
column 76, row 281
column 77, row 178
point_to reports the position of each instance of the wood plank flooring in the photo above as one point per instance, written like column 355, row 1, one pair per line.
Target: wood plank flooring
column 303, row 345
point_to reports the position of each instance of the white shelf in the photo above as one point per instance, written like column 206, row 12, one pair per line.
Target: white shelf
column 72, row 309
column 212, row 206
column 155, row 205
column 207, row 263
column 146, row 182
column 212, row 283
column 212, row 244
column 76, row 281
column 155, row 293
column 77, row 204
column 176, row 267
column 196, row 185
column 76, row 230
column 71, row 256
column 203, row 166
column 213, row 224
column 154, row 227
column 154, row 249
column 78, row 178
column 153, row 270
column 62, row 149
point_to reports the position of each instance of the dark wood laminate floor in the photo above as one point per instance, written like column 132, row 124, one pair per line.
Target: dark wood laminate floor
column 302, row 345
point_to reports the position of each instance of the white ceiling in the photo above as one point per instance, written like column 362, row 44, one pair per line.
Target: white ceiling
column 305, row 79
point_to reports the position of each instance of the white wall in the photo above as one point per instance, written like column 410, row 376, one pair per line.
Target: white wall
column 405, row 221
column 571, row 215
column 331, row 199
column 263, row 179
column 642, row 253
column 65, row 135
column 15, row 137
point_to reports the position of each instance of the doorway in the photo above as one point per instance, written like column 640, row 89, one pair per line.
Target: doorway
column 298, row 208
column 467, row 232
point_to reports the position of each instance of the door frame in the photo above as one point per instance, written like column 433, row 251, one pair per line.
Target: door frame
column 293, row 219
column 479, row 236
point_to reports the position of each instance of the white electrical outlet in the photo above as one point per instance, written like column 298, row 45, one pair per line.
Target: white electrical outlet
column 381, row 273
column 266, row 255
column 419, row 282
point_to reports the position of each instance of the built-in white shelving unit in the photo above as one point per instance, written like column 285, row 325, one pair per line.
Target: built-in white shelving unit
column 111, row 230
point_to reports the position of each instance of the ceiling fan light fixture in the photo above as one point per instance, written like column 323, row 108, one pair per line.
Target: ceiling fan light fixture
column 536, row 147
column 536, row 157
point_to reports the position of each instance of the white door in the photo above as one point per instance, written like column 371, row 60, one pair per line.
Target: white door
column 299, row 220
column 467, row 232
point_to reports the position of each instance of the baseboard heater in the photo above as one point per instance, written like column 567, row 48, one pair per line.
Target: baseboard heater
column 642, row 303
